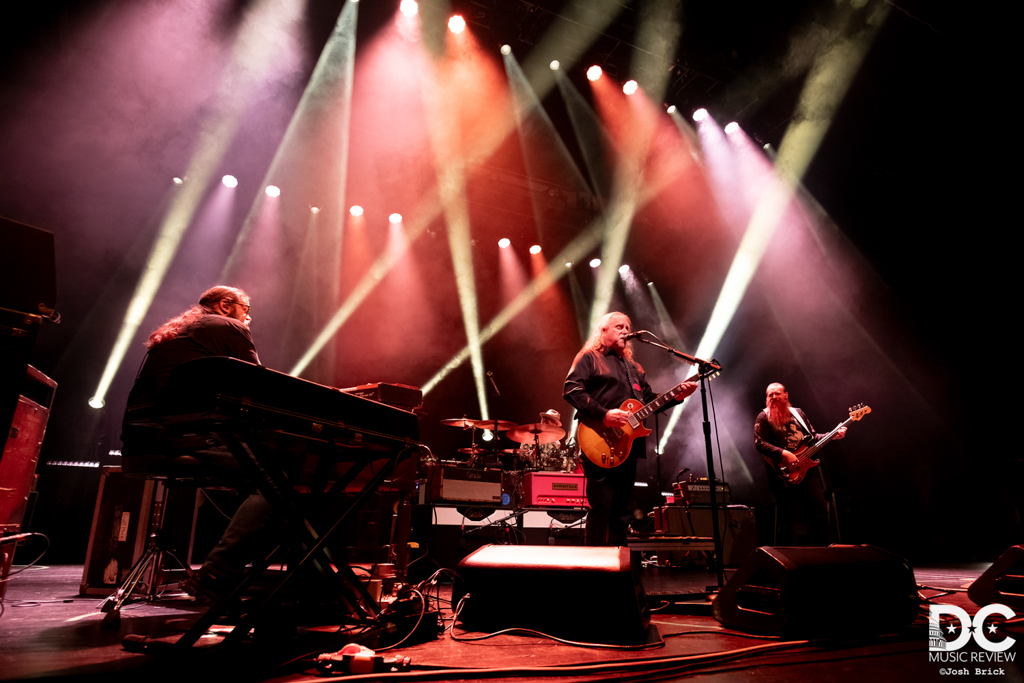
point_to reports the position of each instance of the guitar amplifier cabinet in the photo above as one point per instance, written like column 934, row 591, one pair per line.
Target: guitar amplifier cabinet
column 466, row 484
column 735, row 522
column 556, row 489
column 698, row 492
column 19, row 459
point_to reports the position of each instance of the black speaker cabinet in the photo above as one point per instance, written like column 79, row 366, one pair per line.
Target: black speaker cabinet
column 578, row 593
column 735, row 522
column 816, row 592
column 1003, row 582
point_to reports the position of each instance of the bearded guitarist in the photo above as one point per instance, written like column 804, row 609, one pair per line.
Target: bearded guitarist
column 780, row 429
column 603, row 376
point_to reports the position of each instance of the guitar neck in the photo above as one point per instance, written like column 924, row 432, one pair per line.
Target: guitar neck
column 824, row 440
column 657, row 403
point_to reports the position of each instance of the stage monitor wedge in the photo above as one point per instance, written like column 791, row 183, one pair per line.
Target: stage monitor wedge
column 841, row 590
column 583, row 594
column 1003, row 582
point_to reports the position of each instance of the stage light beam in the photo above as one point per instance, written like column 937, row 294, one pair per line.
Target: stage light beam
column 833, row 70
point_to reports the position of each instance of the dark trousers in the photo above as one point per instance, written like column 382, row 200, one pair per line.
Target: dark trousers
column 250, row 530
column 609, row 491
column 801, row 509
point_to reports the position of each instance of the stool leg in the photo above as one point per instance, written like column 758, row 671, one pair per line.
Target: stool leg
column 152, row 559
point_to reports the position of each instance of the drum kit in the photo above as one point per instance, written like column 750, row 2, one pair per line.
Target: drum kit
column 540, row 446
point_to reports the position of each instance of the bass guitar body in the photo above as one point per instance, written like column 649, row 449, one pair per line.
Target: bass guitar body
column 609, row 446
column 795, row 473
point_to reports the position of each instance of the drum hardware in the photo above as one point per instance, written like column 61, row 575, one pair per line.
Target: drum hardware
column 475, row 452
column 538, row 433
column 466, row 423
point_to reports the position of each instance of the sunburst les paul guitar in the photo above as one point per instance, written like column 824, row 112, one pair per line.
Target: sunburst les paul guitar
column 795, row 472
column 609, row 446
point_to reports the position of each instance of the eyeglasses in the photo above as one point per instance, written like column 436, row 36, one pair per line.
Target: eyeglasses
column 239, row 303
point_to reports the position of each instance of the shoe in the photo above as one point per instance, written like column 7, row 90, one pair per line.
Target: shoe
column 207, row 587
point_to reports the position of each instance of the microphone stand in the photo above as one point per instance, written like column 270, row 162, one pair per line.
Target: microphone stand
column 704, row 369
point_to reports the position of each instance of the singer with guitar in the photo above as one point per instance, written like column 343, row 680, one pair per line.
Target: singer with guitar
column 781, row 429
column 602, row 378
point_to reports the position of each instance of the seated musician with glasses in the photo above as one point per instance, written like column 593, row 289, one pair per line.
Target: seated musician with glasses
column 218, row 325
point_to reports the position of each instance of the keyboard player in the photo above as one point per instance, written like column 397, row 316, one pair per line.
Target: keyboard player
column 218, row 325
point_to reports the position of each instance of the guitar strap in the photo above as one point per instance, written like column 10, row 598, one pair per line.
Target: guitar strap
column 634, row 383
column 800, row 421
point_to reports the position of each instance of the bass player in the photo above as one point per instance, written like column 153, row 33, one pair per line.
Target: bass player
column 801, row 507
column 603, row 376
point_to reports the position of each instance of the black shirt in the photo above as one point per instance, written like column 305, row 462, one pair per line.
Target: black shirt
column 210, row 335
column 598, row 382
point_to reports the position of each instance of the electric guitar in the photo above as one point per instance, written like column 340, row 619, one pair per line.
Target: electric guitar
column 794, row 473
column 609, row 446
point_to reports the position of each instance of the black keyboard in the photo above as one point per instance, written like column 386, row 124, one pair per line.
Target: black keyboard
column 206, row 392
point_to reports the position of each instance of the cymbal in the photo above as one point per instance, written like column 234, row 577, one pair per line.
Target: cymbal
column 474, row 450
column 466, row 423
column 539, row 432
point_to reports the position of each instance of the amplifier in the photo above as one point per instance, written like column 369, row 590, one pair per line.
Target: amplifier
column 470, row 485
column 698, row 492
column 557, row 489
column 400, row 395
column 735, row 522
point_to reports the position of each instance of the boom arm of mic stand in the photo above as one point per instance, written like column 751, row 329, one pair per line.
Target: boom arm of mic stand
column 704, row 365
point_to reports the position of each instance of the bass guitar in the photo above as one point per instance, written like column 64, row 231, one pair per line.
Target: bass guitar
column 609, row 446
column 805, row 455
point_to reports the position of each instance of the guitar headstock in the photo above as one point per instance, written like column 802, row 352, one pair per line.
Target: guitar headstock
column 858, row 411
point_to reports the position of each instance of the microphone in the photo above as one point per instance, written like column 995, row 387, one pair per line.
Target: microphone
column 634, row 335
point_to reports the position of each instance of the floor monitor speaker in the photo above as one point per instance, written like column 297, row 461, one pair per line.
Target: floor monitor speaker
column 585, row 594
column 816, row 592
column 1003, row 582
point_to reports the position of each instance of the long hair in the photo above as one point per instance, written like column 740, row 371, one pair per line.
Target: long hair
column 594, row 343
column 175, row 326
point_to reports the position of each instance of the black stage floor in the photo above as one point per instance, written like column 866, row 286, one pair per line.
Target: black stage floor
column 48, row 631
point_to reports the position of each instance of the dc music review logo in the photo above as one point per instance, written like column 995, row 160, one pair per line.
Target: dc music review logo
column 942, row 650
